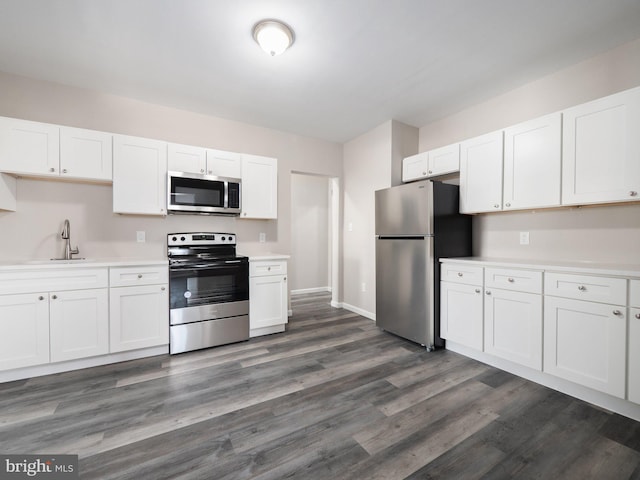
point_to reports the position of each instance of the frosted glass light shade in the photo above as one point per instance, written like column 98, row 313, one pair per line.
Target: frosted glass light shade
column 273, row 37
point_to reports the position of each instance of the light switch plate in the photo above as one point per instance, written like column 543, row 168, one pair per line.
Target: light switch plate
column 263, row 237
column 141, row 236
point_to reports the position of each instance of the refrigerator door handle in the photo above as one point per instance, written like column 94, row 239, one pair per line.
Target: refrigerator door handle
column 403, row 237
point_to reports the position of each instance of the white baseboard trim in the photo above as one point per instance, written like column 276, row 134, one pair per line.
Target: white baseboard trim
column 359, row 311
column 618, row 405
column 300, row 291
column 50, row 368
column 336, row 304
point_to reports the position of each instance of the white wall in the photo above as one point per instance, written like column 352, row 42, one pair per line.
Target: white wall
column 32, row 231
column 600, row 234
column 309, row 264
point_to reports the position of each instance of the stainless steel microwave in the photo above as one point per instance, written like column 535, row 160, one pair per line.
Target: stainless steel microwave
column 203, row 194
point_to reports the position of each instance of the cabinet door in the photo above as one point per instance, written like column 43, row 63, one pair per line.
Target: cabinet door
column 267, row 301
column 139, row 317
column 461, row 314
column 259, row 187
column 24, row 323
column 601, row 150
column 634, row 355
column 444, row 160
column 224, row 164
column 585, row 342
column 513, row 326
column 85, row 154
column 79, row 324
column 8, row 188
column 481, row 174
column 139, row 175
column 185, row 158
column 29, row 147
column 415, row 167
column 532, row 163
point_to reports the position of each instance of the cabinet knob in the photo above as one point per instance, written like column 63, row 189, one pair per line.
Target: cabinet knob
column 507, row 204
column 430, row 172
column 139, row 275
column 510, row 280
column 633, row 193
column 162, row 288
column 488, row 292
column 638, row 316
column 495, row 205
column 40, row 298
column 285, row 279
column 617, row 312
column 202, row 170
column 268, row 269
column 459, row 274
column 64, row 170
column 424, row 173
column 582, row 288
column 52, row 169
column 210, row 172
column 477, row 290
column 54, row 296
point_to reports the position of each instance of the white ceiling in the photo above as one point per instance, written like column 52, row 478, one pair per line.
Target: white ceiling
column 354, row 63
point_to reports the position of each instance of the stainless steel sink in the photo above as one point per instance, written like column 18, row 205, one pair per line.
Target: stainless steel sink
column 55, row 261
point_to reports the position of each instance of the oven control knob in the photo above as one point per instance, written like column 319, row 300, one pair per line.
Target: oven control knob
column 182, row 239
column 174, row 239
column 231, row 239
column 223, row 239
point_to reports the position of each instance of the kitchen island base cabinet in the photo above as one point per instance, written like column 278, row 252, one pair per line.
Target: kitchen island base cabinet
column 585, row 342
column 79, row 324
column 268, row 295
column 24, row 322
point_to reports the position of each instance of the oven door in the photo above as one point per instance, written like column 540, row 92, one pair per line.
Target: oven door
column 213, row 282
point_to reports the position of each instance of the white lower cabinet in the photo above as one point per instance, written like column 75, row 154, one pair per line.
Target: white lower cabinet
column 634, row 354
column 461, row 314
column 513, row 326
column 139, row 314
column 24, row 323
column 79, row 324
column 585, row 342
column 268, row 295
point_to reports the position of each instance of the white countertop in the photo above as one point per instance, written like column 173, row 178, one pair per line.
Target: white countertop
column 80, row 263
column 268, row 256
column 622, row 270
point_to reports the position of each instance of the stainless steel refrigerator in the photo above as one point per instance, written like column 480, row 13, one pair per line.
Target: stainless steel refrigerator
column 416, row 225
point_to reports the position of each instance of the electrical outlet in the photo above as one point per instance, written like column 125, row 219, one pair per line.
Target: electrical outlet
column 263, row 237
column 141, row 236
column 350, row 227
column 364, row 287
column 524, row 238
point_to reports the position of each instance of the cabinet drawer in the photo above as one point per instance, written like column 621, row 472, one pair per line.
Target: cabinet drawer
column 44, row 280
column 263, row 267
column 459, row 273
column 529, row 281
column 634, row 293
column 586, row 287
column 140, row 275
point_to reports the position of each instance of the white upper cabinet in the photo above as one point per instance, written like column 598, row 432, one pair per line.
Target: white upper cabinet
column 8, row 189
column 85, row 154
column 224, row 164
column 139, row 175
column 432, row 163
column 185, row 158
column 444, row 160
column 30, row 148
column 415, row 167
column 481, row 173
column 601, row 150
column 259, row 187
column 532, row 163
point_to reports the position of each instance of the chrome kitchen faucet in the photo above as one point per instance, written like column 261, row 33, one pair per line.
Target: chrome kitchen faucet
column 66, row 234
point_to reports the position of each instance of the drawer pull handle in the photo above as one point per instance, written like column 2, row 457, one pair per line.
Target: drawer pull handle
column 633, row 193
column 488, row 292
column 41, row 298
column 459, row 274
column 139, row 275
column 477, row 290
column 582, row 288
column 617, row 312
column 54, row 296
column 510, row 280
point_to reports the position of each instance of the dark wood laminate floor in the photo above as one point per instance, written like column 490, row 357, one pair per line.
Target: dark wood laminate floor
column 332, row 398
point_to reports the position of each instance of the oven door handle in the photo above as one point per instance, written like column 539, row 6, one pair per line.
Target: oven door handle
column 204, row 266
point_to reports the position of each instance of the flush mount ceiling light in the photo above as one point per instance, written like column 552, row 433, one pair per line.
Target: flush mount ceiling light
column 273, row 36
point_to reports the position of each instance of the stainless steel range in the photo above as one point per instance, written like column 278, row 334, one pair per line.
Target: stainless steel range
column 208, row 291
